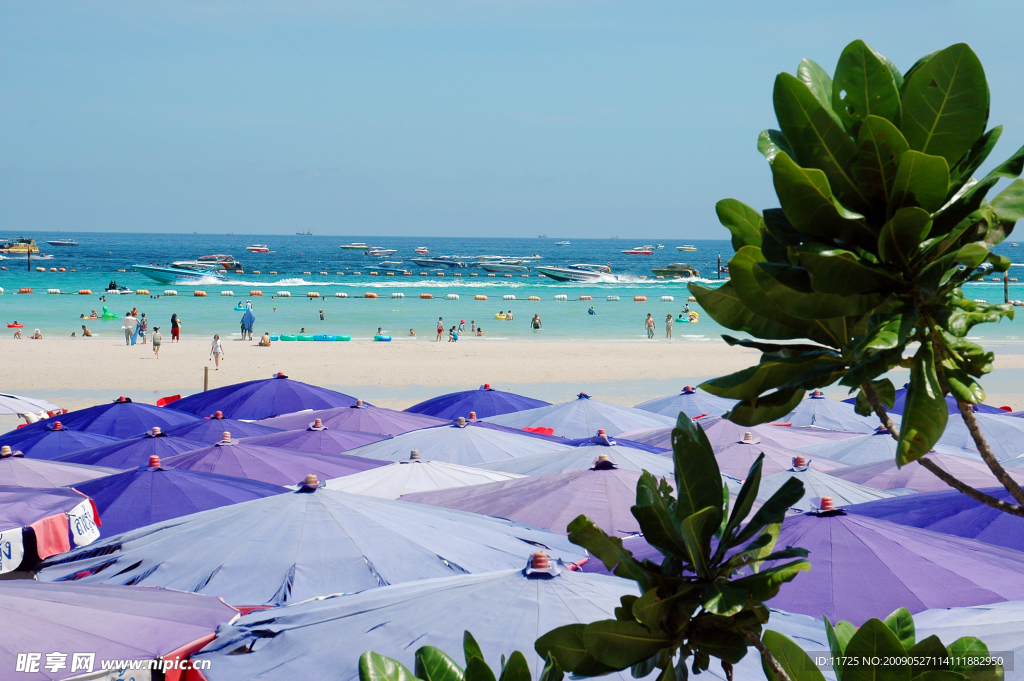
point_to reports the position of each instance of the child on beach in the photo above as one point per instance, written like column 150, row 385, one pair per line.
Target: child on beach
column 412, row 333
column 143, row 327
column 157, row 339
column 668, row 325
column 175, row 326
column 479, row 331
column 440, row 328
column 452, row 335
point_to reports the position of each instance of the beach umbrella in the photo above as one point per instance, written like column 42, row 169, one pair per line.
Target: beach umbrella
column 603, row 493
column 121, row 419
column 484, row 401
column 691, row 402
column 316, row 438
column 998, row 625
column 275, row 465
column 602, row 439
column 134, row 452
column 865, row 567
column 952, row 512
column 311, row 542
column 913, row 476
column 53, row 440
column 210, row 429
column 585, row 457
column 864, row 449
column 17, row 405
column 818, row 485
column 736, row 457
column 722, row 431
column 89, row 623
column 901, row 400
column 817, row 410
column 582, row 417
column 254, row 400
column 414, row 475
column 465, row 443
column 151, row 494
column 1004, row 434
column 360, row 416
column 17, row 470
column 39, row 517
column 505, row 611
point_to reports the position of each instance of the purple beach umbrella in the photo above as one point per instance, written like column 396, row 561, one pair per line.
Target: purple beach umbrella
column 361, row 417
column 260, row 399
column 53, row 440
column 692, row 402
column 151, row 494
column 901, row 402
column 34, row 523
column 822, row 412
column 582, row 417
column 863, row 449
column 210, row 429
column 1005, row 435
column 485, row 401
column 15, row 469
column 105, row 622
column 316, row 438
column 127, row 454
column 914, row 476
column 818, row 485
column 722, row 431
column 736, row 457
column 268, row 464
column 120, row 419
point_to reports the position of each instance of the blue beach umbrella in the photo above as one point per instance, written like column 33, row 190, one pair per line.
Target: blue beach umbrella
column 1005, row 435
column 818, row 485
column 151, row 494
column 316, row 438
column 260, row 399
column 583, row 417
column 821, row 412
column 584, row 457
column 484, row 401
column 360, row 416
column 121, row 418
column 901, row 400
column 210, row 429
column 415, row 475
column 311, row 542
column 864, row 449
column 52, row 441
column 691, row 402
column 134, row 452
column 602, row 439
column 999, row 625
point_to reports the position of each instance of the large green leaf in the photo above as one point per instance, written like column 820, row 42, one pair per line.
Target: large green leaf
column 818, row 81
column 765, row 584
column 841, row 272
column 901, row 623
column 724, row 305
column 874, row 639
column 722, row 599
column 945, row 104
column 1009, row 203
column 838, row 638
column 925, row 412
column 881, row 145
column 929, row 654
column 965, row 168
column 374, row 667
column 744, row 222
column 653, row 513
column 921, row 180
column 748, row 383
column 797, row 664
column 470, row 648
column 744, row 503
column 622, row 644
column 584, row 532
column 433, row 664
column 774, row 510
column 814, row 306
column 864, row 86
column 697, row 530
column 477, row 670
column 961, row 652
column 697, row 475
column 886, row 393
column 901, row 236
column 770, row 407
column 516, row 669
column 566, row 645
column 771, row 142
column 817, row 138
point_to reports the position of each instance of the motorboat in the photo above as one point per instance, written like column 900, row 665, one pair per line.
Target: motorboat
column 422, row 250
column 563, row 243
column 182, row 271
column 676, row 269
column 392, row 266
column 659, row 246
column 439, row 261
column 577, row 272
column 19, row 245
column 308, row 232
column 375, row 252
column 686, row 247
column 258, row 248
column 640, row 250
column 355, row 246
column 63, row 242
column 226, row 262
column 504, row 266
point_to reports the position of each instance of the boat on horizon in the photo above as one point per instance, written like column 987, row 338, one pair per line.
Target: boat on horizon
column 639, row 250
column 182, row 271
column 375, row 252
column 676, row 269
column 308, row 232
column 355, row 246
column 686, row 247
column 422, row 250
column 258, row 248
column 439, row 261
column 563, row 243
column 63, row 242
column 577, row 272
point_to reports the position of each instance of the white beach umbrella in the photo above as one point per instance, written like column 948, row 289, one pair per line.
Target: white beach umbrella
column 17, row 405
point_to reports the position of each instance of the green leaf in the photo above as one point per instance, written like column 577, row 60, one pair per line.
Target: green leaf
column 744, row 503
column 770, row 407
column 696, row 469
column 584, row 532
column 745, row 223
column 655, row 516
column 902, row 235
column 622, row 644
column 817, row 137
column 886, row 392
column 722, row 599
column 565, row 645
column 651, row 610
column 516, row 669
column 753, row 381
column 1009, row 203
column 697, row 531
column 893, row 69
column 925, row 412
column 791, row 657
column 843, row 273
column 864, row 86
column 435, row 665
column 552, row 671
column 945, row 104
column 762, row 553
column 838, row 638
column 972, row 255
column 881, row 145
column 971, row 647
column 765, row 585
column 921, row 180
column 939, row 675
column 962, row 171
column 724, row 305
column 813, row 306
column 477, row 670
column 770, row 143
column 374, row 667
column 774, row 510
column 470, row 648
column 962, row 386
column 874, row 639
column 930, row 652
column 901, row 623
column 818, row 81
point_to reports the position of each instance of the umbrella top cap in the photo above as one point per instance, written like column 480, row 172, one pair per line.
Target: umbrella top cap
column 817, row 395
column 486, row 386
column 689, row 390
column 539, row 566
column 749, row 439
column 603, row 462
column 583, row 396
column 359, row 404
column 279, row 374
column 311, row 481
column 225, row 439
column 828, row 504
column 155, row 432
column 154, row 461
column 317, row 424
column 6, row 451
column 881, row 430
column 540, row 560
column 58, row 426
column 472, row 416
column 218, row 414
column 800, row 462
column 122, row 399
column 461, row 422
column 414, row 455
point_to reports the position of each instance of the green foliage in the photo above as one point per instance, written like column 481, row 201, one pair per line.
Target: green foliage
column 893, row 638
column 704, row 598
column 881, row 223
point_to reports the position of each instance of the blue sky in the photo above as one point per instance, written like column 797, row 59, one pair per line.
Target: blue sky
column 447, row 118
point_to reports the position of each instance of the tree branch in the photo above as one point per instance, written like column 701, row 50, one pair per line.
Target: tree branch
column 977, row 495
column 767, row 656
column 876, row 404
column 986, row 453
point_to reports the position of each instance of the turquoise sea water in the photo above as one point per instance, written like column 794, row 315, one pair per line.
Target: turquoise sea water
column 99, row 256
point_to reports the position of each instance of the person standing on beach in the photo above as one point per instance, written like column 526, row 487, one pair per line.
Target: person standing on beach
column 472, row 327
column 649, row 323
column 128, row 324
column 175, row 325
column 143, row 327
column 217, row 351
column 321, row 315
column 157, row 339
column 440, row 328
column 668, row 326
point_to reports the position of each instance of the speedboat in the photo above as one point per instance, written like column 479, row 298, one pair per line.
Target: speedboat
column 640, row 250
column 686, row 247
column 225, row 261
column 422, row 250
column 19, row 245
column 577, row 272
column 355, row 246
column 676, row 269
column 659, row 246
column 439, row 261
column 63, row 242
column 504, row 266
column 258, row 248
column 375, row 252
column 182, row 271
column 392, row 266
column 563, row 243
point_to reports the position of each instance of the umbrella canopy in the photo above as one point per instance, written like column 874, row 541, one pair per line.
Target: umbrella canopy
column 736, row 457
column 316, row 438
column 311, row 542
column 361, row 417
column 16, row 404
column 414, row 475
column 121, row 419
column 268, row 464
column 464, row 443
column 15, row 469
column 818, row 485
column 864, row 449
column 151, row 494
column 484, row 401
column 21, row 506
column 602, row 439
column 953, row 513
column 504, row 610
column 901, row 400
column 52, row 441
column 817, row 410
column 864, row 568
column 997, row 624
column 691, row 402
column 254, row 400
column 35, row 524
column 126, row 454
column 1005, row 435
column 577, row 458
column 913, row 476
column 582, row 417
column 113, row 622
column 722, row 431
column 603, row 493
column 210, row 430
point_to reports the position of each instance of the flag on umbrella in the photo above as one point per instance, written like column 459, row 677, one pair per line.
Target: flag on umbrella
column 260, row 399
column 120, row 419
column 582, row 417
column 360, row 416
column 52, row 441
column 485, row 402
column 15, row 469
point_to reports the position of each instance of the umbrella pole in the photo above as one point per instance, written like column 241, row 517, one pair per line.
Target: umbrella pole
column 206, row 379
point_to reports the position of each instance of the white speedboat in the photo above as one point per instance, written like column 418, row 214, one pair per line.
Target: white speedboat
column 563, row 243
column 640, row 250
column 686, row 247
column 185, row 271
column 63, row 242
column 392, row 266
column 258, row 248
column 509, row 266
column 375, row 252
column 577, row 272
column 355, row 246
column 422, row 250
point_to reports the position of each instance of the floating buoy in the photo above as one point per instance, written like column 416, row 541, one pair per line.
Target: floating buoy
column 639, row 299
column 312, row 294
column 440, row 274
column 474, row 274
column 586, row 297
column 451, row 296
column 389, row 274
column 256, row 272
column 256, row 293
column 24, row 290
column 142, row 291
column 541, row 276
column 307, row 273
column 64, row 270
column 534, row 298
column 491, row 274
column 53, row 291
column 668, row 299
column 426, row 296
column 284, row 294
column 479, row 297
column 324, row 273
column 373, row 274
column 424, row 274
column 122, row 270
column 561, row 296
column 343, row 338
column 357, row 273
column 341, row 294
column 199, row 294
column 997, row 278
column 507, row 276
column 85, row 292
column 398, row 295
column 613, row 299
column 1013, row 280
column 170, row 292
column 273, row 271
column 692, row 299
column 53, row 269
column 369, row 295
column 508, row 297
column 239, row 272
column 40, row 269
column 223, row 293
column 340, row 273
column 659, row 277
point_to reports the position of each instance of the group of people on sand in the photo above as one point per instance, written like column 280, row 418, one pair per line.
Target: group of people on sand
column 454, row 331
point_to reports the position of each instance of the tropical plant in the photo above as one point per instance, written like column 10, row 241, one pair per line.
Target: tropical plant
column 881, row 224
column 706, row 598
column 433, row 664
column 893, row 641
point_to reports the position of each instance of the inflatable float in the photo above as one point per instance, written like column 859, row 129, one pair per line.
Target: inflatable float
column 346, row 337
column 693, row 318
column 274, row 337
column 15, row 326
column 323, row 337
column 107, row 314
column 239, row 308
column 285, row 337
column 304, row 337
column 382, row 339
column 500, row 316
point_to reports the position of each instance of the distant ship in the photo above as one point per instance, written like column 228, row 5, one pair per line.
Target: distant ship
column 542, row 236
column 19, row 245
column 63, row 242
column 563, row 243
column 308, row 232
